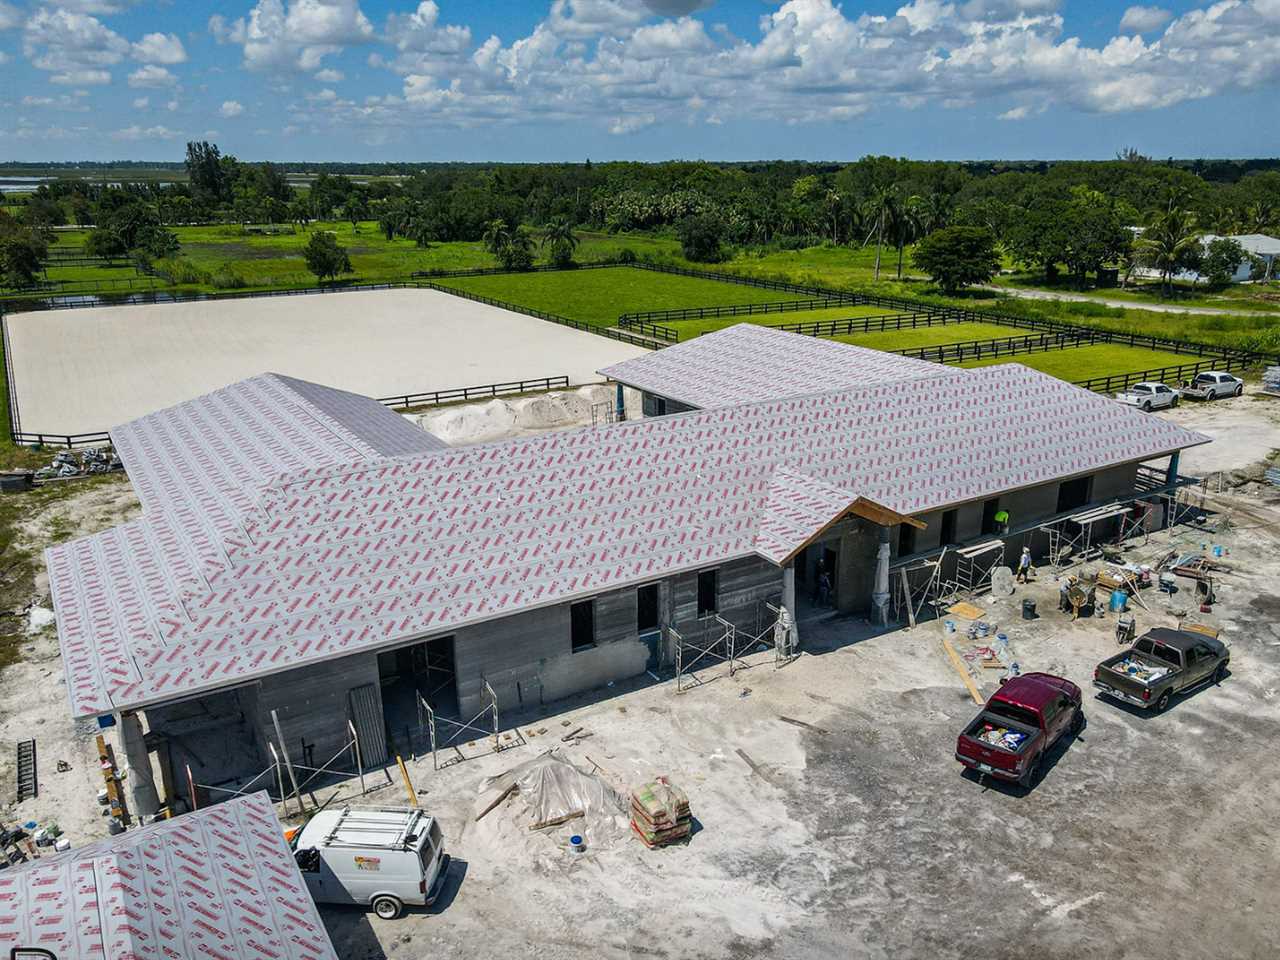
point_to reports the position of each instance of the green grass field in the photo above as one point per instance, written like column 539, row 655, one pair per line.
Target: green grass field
column 599, row 296
column 931, row 336
column 272, row 262
column 1083, row 363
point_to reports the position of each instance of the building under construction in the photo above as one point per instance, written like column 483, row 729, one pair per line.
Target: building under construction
column 312, row 571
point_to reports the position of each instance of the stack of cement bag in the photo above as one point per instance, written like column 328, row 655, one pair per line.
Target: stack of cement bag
column 660, row 813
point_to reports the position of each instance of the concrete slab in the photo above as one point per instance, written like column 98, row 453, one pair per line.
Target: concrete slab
column 86, row 370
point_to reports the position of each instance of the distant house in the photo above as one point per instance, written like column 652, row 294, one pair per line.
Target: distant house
column 1259, row 245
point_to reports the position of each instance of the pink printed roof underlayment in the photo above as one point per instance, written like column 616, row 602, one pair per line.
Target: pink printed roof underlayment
column 227, row 579
column 216, row 884
column 747, row 363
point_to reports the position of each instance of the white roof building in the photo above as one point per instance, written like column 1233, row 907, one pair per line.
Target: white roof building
column 219, row 882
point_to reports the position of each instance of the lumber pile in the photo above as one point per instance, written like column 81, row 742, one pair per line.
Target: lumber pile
column 660, row 813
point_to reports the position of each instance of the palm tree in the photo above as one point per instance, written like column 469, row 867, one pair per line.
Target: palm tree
column 496, row 236
column 1168, row 244
column 1261, row 214
column 879, row 207
column 558, row 237
column 832, row 201
column 909, row 220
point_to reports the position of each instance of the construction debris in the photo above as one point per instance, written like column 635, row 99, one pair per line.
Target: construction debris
column 660, row 813
column 80, row 463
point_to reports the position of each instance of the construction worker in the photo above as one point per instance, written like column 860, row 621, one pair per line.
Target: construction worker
column 1024, row 566
column 1002, row 521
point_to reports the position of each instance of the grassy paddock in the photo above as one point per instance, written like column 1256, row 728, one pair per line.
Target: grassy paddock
column 599, row 297
column 931, row 336
column 1083, row 363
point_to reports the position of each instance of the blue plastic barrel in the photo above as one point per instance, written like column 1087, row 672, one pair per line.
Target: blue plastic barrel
column 1118, row 600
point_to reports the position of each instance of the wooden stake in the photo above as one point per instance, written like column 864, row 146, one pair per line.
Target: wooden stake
column 408, row 784
column 963, row 671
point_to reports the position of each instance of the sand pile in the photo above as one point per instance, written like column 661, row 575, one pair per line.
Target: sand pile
column 518, row 417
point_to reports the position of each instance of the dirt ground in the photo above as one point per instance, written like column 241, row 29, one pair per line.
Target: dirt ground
column 127, row 361
column 846, row 828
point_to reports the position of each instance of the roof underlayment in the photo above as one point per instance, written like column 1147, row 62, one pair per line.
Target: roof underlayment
column 217, row 883
column 747, row 363
column 237, row 571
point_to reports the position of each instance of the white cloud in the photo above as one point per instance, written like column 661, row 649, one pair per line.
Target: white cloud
column 74, row 47
column 137, row 132
column 631, row 123
column 231, row 108
column 329, row 76
column 421, row 31
column 141, row 103
column 163, row 48
column 172, row 106
column 10, row 16
column 1016, row 113
column 1144, row 19
column 296, row 37
column 81, row 78
column 152, row 76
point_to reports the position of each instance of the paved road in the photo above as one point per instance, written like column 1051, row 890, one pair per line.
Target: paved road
column 1127, row 304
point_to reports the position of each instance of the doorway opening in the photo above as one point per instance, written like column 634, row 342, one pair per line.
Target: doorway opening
column 425, row 669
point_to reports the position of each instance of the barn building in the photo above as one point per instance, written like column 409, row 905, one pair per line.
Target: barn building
column 309, row 563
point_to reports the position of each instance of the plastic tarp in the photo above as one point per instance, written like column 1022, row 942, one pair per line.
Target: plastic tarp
column 548, row 791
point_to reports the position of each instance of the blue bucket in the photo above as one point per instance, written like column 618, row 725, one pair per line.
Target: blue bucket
column 1217, row 551
column 950, row 626
column 577, row 844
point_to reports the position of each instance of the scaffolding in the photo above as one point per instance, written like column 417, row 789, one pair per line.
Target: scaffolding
column 916, row 586
column 272, row 779
column 429, row 723
column 721, row 642
column 974, row 566
column 1071, row 538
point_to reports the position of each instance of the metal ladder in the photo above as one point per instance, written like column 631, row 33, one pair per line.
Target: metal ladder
column 27, row 785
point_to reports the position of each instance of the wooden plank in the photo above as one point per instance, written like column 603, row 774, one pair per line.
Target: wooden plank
column 966, row 610
column 963, row 671
column 801, row 723
column 906, row 591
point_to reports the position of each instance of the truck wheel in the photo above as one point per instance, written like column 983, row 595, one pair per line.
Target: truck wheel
column 1173, row 402
column 388, row 908
column 1077, row 722
column 1239, row 390
column 1032, row 775
column 1163, row 703
column 1146, row 406
column 1220, row 674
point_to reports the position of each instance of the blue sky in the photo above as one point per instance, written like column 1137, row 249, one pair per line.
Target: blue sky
column 637, row 79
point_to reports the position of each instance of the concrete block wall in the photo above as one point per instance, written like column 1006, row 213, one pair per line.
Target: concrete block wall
column 313, row 705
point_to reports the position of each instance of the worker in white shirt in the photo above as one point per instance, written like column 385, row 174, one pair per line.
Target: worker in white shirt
column 1024, row 566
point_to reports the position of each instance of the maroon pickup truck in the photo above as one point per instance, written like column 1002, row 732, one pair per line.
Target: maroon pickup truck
column 1019, row 725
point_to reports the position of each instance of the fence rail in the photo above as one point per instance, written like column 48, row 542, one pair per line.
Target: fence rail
column 732, row 310
column 436, row 397
column 848, row 325
column 998, row 347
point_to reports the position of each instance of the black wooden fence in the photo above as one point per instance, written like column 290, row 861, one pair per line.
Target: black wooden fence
column 437, row 397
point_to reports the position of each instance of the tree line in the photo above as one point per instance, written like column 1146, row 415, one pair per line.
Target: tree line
column 1072, row 217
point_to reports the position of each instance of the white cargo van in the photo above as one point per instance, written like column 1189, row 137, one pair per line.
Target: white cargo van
column 379, row 856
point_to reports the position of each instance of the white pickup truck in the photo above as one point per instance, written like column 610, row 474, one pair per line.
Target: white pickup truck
column 1211, row 385
column 1149, row 396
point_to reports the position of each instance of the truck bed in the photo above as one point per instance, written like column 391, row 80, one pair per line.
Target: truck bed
column 991, row 730
column 1131, row 674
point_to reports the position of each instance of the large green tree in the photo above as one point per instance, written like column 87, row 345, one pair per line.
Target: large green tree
column 324, row 257
column 559, row 240
column 22, row 252
column 957, row 257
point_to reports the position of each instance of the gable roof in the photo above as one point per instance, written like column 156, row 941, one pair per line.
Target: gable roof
column 219, row 882
column 748, row 363
column 324, row 562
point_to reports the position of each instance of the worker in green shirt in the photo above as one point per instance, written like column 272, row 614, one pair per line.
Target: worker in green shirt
column 1002, row 521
